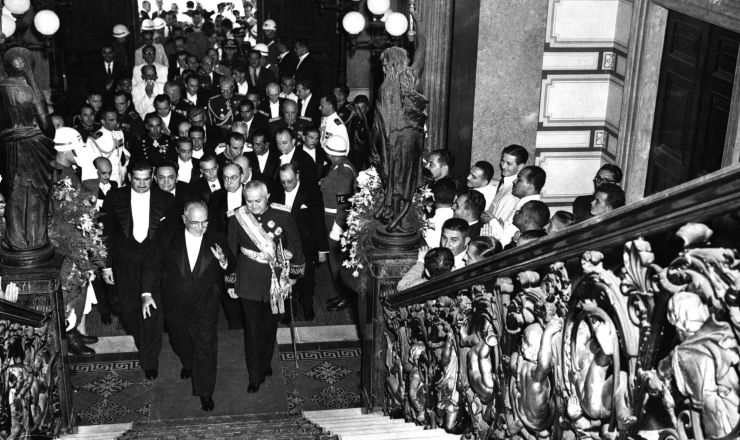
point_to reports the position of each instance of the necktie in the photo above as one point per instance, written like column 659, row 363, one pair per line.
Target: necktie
column 107, row 66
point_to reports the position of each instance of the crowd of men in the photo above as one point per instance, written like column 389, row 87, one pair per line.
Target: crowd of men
column 210, row 130
column 485, row 215
column 218, row 154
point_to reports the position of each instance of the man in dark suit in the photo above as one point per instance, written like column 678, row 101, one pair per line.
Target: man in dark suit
column 287, row 60
column 166, row 178
column 104, row 75
column 104, row 186
column 188, row 167
column 311, row 146
column 257, row 232
column 265, row 160
column 257, row 75
column 307, row 209
column 307, row 67
column 272, row 107
column 223, row 202
column 189, row 267
column 309, row 105
column 290, row 120
column 194, row 94
column 209, row 181
column 289, row 153
column 136, row 221
column 255, row 121
column 209, row 79
column 170, row 119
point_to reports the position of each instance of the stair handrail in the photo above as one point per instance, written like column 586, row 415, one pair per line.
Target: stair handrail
column 21, row 314
column 694, row 201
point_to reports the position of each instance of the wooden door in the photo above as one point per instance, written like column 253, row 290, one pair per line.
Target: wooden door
column 694, row 94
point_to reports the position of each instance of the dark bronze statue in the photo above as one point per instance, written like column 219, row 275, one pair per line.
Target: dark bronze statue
column 26, row 134
column 398, row 134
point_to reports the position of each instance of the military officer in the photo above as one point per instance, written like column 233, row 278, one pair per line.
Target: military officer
column 85, row 123
column 344, row 108
column 129, row 121
column 289, row 120
column 108, row 142
column 224, row 107
column 337, row 189
column 331, row 123
column 153, row 146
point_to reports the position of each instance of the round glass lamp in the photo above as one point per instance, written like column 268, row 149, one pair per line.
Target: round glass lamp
column 353, row 22
column 46, row 22
column 397, row 24
column 378, row 7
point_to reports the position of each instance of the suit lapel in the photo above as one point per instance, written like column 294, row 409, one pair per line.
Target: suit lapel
column 184, row 263
column 124, row 213
column 203, row 254
column 155, row 213
column 299, row 201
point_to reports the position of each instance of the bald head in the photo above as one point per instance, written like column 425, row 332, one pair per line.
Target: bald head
column 273, row 92
column 240, row 127
column 243, row 163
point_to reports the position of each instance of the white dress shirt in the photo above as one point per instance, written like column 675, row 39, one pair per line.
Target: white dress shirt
column 508, row 229
column 290, row 196
column 242, row 88
column 291, row 96
column 502, row 208
column 311, row 152
column 286, row 158
column 215, row 185
column 300, row 60
column 433, row 235
column 489, row 192
column 233, row 199
column 198, row 153
column 192, row 245
column 184, row 170
column 459, row 263
column 275, row 109
column 262, row 161
column 140, row 213
column 304, row 105
column 193, row 99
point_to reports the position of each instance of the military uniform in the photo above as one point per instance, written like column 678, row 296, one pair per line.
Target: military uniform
column 253, row 282
column 221, row 110
column 298, row 126
column 337, row 189
column 345, row 112
column 131, row 125
column 108, row 144
column 153, row 150
column 332, row 125
column 182, row 107
column 84, row 131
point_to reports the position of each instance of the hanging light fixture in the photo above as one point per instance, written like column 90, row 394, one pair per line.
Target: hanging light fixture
column 396, row 24
column 378, row 7
column 353, row 22
column 46, row 22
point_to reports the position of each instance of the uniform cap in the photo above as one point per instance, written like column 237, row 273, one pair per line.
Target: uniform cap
column 159, row 23
column 67, row 139
column 262, row 48
column 147, row 25
column 230, row 44
column 120, row 31
column 269, row 25
column 336, row 146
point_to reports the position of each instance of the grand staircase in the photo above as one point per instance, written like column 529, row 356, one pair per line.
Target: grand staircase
column 351, row 424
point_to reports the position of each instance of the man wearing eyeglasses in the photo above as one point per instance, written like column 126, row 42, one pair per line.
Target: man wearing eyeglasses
column 608, row 173
column 193, row 262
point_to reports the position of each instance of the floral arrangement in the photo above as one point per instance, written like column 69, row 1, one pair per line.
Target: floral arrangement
column 77, row 235
column 361, row 223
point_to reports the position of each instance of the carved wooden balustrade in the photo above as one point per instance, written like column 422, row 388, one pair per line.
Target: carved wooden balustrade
column 532, row 344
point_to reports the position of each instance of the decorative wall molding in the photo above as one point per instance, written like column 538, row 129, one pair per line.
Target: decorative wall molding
column 589, row 23
column 581, row 101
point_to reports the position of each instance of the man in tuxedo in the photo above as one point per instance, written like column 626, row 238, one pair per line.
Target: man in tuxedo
column 256, row 233
column 272, row 107
column 307, row 67
column 289, row 153
column 103, row 76
column 170, row 119
column 197, row 136
column 265, row 160
column 209, row 182
column 136, row 221
column 309, row 105
column 222, row 202
column 105, row 185
column 166, row 178
column 193, row 262
column 287, row 60
column 312, row 147
column 307, row 209
column 234, row 148
column 209, row 79
column 188, row 167
column 255, row 121
column 194, row 94
column 258, row 76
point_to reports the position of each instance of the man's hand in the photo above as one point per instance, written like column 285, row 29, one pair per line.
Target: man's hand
column 108, row 276
column 218, row 253
column 146, row 302
column 322, row 257
column 485, row 217
column 149, row 88
column 11, row 292
column 422, row 252
column 232, row 293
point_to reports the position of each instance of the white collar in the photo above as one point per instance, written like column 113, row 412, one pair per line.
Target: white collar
column 303, row 57
column 295, row 190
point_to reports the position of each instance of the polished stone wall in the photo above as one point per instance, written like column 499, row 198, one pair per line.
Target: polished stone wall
column 508, row 77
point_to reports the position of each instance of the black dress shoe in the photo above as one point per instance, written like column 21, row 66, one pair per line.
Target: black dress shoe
column 341, row 305
column 253, row 387
column 77, row 347
column 151, row 374
column 206, row 403
column 185, row 373
column 85, row 339
column 335, row 299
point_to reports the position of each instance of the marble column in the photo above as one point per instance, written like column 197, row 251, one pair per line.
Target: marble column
column 436, row 17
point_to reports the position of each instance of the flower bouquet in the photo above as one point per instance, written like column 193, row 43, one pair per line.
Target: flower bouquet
column 78, row 236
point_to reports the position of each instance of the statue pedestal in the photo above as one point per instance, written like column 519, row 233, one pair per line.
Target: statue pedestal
column 387, row 267
column 31, row 258
column 40, row 289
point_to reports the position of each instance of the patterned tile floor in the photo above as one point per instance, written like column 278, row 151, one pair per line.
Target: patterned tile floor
column 116, row 392
column 324, row 379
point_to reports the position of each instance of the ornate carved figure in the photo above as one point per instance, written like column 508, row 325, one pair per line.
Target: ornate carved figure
column 398, row 132
column 26, row 135
column 416, row 404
